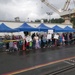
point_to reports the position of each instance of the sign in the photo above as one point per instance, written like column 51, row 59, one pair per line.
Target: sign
column 56, row 36
column 50, row 31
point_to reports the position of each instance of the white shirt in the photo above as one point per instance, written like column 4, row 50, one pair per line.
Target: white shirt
column 10, row 44
column 28, row 38
column 49, row 36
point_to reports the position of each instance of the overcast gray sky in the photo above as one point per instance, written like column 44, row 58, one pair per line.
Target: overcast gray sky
column 32, row 9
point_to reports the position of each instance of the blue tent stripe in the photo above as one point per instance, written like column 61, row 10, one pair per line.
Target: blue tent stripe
column 43, row 27
column 26, row 27
column 57, row 29
column 4, row 28
column 68, row 29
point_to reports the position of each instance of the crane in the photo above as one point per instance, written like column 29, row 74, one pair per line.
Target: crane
column 66, row 5
column 74, row 2
column 65, row 13
column 50, row 5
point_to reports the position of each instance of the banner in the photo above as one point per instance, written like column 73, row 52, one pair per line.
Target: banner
column 50, row 31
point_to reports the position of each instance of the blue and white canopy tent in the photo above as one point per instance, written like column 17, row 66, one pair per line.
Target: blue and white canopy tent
column 43, row 27
column 5, row 28
column 26, row 27
column 68, row 29
column 57, row 29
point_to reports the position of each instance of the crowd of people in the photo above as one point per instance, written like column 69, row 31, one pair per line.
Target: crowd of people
column 38, row 40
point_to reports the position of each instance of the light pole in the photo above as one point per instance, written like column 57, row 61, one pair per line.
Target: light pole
column 49, row 13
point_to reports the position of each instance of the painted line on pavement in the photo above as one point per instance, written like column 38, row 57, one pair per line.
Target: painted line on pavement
column 38, row 66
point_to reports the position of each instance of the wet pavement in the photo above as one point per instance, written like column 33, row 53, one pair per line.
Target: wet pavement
column 69, row 72
column 10, row 62
column 45, row 70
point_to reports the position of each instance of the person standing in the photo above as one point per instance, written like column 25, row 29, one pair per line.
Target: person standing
column 49, row 39
column 36, row 38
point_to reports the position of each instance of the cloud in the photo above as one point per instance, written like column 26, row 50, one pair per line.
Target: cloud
column 5, row 1
column 27, row 9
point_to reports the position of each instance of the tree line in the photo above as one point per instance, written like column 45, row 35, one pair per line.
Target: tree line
column 59, row 20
